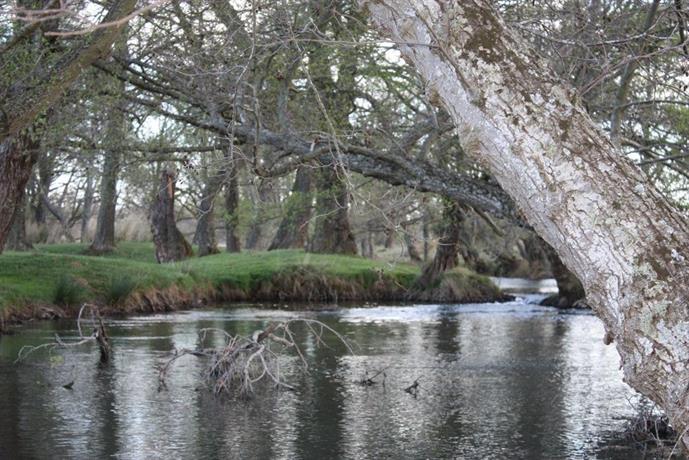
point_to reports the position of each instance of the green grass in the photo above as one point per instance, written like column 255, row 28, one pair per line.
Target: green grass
column 33, row 277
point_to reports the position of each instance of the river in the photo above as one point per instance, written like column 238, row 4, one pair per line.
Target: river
column 508, row 380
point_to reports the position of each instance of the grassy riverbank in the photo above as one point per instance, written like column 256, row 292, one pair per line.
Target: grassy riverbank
column 55, row 279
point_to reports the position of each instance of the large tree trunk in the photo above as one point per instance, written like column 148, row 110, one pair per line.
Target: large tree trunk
column 602, row 215
column 294, row 227
column 17, row 157
column 104, row 239
column 261, row 200
column 116, row 131
column 169, row 242
column 17, row 240
column 447, row 253
column 332, row 234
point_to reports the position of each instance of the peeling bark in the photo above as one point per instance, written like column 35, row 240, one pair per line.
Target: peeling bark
column 602, row 215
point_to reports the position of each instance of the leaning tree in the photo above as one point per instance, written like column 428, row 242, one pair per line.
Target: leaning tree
column 603, row 216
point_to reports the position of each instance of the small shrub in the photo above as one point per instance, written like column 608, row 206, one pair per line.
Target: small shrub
column 119, row 289
column 68, row 291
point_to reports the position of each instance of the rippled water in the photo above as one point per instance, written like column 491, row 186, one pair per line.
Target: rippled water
column 496, row 380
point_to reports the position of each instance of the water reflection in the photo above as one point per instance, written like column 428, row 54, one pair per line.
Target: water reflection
column 496, row 380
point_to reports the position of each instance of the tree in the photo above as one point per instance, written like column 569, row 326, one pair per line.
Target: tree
column 602, row 215
column 170, row 244
column 332, row 233
column 231, row 204
column 294, row 227
column 30, row 85
column 447, row 254
column 116, row 129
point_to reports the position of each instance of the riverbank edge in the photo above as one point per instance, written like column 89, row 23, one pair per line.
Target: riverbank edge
column 306, row 283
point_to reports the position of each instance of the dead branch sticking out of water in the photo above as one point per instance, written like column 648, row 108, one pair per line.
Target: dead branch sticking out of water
column 367, row 381
column 413, row 389
column 243, row 362
column 99, row 335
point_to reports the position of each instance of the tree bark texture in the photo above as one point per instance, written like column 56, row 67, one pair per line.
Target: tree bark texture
column 294, row 227
column 170, row 244
column 17, row 240
column 332, row 234
column 610, row 226
column 17, row 157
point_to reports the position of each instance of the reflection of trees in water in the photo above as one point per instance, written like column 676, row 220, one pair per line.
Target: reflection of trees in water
column 502, row 391
column 488, row 382
column 534, row 389
column 10, row 415
column 106, row 419
column 319, row 412
column 446, row 330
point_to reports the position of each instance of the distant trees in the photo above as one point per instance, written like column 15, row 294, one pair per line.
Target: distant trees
column 242, row 95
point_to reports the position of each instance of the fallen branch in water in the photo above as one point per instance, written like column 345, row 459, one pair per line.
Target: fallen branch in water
column 98, row 335
column 413, row 389
column 243, row 362
column 367, row 381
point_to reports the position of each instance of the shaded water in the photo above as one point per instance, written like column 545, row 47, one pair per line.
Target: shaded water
column 496, row 380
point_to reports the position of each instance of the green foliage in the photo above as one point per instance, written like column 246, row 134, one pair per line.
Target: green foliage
column 68, row 291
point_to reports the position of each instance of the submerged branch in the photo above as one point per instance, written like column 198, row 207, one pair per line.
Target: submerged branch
column 244, row 361
column 98, row 335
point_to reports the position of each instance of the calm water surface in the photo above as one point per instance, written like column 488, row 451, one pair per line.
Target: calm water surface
column 510, row 380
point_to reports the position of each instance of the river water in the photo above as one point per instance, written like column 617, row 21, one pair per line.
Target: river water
column 509, row 380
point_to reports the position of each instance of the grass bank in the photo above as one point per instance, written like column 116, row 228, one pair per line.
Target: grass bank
column 54, row 280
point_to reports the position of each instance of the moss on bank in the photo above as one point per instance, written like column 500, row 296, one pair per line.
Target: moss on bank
column 54, row 279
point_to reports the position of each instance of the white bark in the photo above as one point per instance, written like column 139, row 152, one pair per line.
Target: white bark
column 605, row 219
